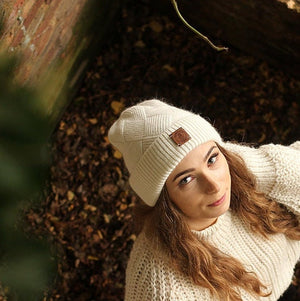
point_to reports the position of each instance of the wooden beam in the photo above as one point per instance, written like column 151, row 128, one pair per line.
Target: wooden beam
column 266, row 29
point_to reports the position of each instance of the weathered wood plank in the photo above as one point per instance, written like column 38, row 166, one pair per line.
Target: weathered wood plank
column 266, row 29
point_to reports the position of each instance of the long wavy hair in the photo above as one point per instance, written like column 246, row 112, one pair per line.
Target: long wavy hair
column 208, row 267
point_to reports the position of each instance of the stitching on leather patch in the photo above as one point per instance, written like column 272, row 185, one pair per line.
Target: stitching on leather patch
column 180, row 136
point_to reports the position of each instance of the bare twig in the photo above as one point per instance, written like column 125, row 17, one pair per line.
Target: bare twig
column 203, row 37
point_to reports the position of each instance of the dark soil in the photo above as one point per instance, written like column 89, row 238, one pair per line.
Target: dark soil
column 87, row 214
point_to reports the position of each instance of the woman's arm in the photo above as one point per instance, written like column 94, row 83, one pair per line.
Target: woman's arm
column 276, row 168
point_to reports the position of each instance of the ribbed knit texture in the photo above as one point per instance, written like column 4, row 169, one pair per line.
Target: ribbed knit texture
column 277, row 168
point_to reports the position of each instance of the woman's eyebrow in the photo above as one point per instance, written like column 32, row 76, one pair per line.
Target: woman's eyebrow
column 192, row 169
column 209, row 152
column 183, row 172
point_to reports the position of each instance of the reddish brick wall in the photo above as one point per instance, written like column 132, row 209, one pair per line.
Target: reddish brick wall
column 50, row 37
column 41, row 30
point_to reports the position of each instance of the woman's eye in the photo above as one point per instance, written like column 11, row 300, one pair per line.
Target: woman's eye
column 185, row 180
column 212, row 159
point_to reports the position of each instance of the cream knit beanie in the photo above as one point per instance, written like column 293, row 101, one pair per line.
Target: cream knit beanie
column 153, row 138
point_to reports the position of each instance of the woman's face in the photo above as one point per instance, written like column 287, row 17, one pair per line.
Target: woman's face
column 200, row 185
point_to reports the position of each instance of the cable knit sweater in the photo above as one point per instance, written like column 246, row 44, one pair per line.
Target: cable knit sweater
column 277, row 169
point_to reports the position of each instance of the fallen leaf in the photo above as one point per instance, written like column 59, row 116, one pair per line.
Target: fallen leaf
column 117, row 107
column 156, row 26
column 93, row 120
column 90, row 257
column 107, row 218
column 140, row 44
column 117, row 154
column 90, row 208
column 70, row 195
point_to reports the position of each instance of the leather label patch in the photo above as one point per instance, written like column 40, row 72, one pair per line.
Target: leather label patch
column 180, row 136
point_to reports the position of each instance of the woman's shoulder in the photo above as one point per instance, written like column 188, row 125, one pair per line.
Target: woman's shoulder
column 147, row 272
column 151, row 277
column 145, row 253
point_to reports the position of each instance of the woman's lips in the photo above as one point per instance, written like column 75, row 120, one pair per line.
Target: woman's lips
column 219, row 202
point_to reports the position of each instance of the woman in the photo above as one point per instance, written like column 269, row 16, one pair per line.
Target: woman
column 219, row 220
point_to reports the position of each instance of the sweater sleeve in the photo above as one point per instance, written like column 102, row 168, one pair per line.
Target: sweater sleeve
column 277, row 170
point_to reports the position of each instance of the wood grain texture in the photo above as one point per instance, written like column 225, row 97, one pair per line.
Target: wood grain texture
column 266, row 29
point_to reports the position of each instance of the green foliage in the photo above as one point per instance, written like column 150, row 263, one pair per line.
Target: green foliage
column 25, row 264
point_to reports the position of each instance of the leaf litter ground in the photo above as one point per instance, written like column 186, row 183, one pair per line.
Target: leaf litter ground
column 87, row 214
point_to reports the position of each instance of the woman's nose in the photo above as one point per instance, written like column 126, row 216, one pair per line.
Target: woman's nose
column 211, row 184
